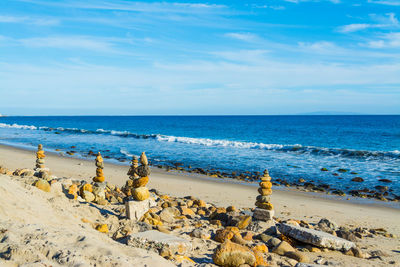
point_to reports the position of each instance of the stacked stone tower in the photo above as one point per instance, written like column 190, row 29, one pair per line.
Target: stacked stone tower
column 99, row 186
column 264, row 210
column 40, row 158
column 99, row 178
column 140, row 177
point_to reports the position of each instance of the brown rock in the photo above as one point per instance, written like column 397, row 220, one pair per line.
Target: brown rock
column 244, row 221
column 265, row 185
column 231, row 254
column 43, row 185
column 264, row 205
column 264, row 192
column 298, row 256
column 282, row 248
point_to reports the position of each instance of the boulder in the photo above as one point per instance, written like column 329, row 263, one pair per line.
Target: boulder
column 140, row 193
column 316, row 238
column 231, row 254
column 136, row 209
column 43, row 185
column 282, row 248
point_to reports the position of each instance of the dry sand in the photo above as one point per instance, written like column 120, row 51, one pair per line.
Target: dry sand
column 288, row 204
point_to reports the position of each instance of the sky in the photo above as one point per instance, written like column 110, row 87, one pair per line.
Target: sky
column 120, row 57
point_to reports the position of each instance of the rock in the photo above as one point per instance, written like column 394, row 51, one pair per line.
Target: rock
column 143, row 170
column 240, row 222
column 29, row 173
column 231, row 254
column 325, row 224
column 186, row 211
column 161, row 241
column 136, row 209
column 140, row 193
column 346, row 234
column 139, row 182
column 168, row 214
column 357, row 179
column 198, row 233
column 88, row 196
column 324, row 169
column 356, row 252
column 263, row 215
column 267, row 227
column 87, row 187
column 316, row 238
column 301, row 264
column 43, row 185
column 102, row 228
column 385, row 180
column 163, row 229
column 225, row 234
column 298, row 256
column 282, row 248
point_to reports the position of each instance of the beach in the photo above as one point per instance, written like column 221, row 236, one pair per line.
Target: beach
column 289, row 204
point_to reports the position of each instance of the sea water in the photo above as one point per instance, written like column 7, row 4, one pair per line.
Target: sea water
column 290, row 147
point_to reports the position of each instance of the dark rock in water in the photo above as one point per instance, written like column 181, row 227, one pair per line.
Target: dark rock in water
column 354, row 173
column 381, row 188
column 335, row 174
column 338, row 192
column 342, row 170
column 357, row 179
column 385, row 180
column 324, row 169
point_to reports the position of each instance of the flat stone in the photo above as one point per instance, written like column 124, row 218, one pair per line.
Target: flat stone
column 136, row 209
column 263, row 215
column 302, row 264
column 316, row 238
column 162, row 241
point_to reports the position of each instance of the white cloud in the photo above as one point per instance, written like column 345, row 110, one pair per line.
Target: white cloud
column 247, row 37
column 387, row 21
column 385, row 2
column 390, row 40
column 29, row 20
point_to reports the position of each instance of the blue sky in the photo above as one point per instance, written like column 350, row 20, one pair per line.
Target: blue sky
column 190, row 57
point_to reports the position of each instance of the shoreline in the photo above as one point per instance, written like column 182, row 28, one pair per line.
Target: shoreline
column 288, row 203
column 183, row 174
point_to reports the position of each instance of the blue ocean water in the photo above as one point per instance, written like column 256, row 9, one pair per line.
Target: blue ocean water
column 291, row 147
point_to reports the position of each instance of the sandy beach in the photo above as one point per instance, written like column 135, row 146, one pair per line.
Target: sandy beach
column 289, row 204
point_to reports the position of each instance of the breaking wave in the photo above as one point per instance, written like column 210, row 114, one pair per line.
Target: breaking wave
column 295, row 148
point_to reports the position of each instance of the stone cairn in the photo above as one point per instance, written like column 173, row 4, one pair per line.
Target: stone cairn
column 264, row 210
column 140, row 202
column 99, row 185
column 140, row 177
column 40, row 158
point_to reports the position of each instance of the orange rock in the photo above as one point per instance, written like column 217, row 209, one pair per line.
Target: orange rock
column 261, row 247
column 264, row 192
column 102, row 228
column 140, row 181
column 40, row 154
column 248, row 236
column 201, row 213
column 264, row 205
column 231, row 208
column 140, row 193
column 200, row 203
column 99, row 158
column 259, row 258
column 244, row 221
column 99, row 172
column 223, row 234
column 98, row 179
column 266, row 185
column 73, row 189
column 187, row 211
column 87, row 187
column 43, row 185
column 165, row 197
column 231, row 254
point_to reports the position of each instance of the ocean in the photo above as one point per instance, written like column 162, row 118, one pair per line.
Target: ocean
column 290, row 147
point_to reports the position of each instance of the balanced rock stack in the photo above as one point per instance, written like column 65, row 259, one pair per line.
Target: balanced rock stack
column 40, row 158
column 140, row 178
column 264, row 210
column 99, row 185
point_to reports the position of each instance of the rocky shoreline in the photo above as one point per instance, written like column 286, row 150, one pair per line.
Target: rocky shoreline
column 381, row 192
column 188, row 231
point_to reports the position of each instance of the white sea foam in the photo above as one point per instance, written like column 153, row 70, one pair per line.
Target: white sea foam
column 17, row 126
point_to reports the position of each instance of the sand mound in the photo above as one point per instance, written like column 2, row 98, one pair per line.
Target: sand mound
column 46, row 229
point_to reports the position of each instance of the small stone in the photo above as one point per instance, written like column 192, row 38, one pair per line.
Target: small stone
column 186, row 211
column 265, row 185
column 327, row 224
column 243, row 222
column 264, row 192
column 198, row 233
column 140, row 193
column 143, row 170
column 88, row 196
column 136, row 209
column 263, row 215
column 261, row 198
column 43, row 185
column 231, row 208
column 282, row 248
column 231, row 254
column 102, row 228
column 298, row 256
column 357, row 179
column 264, row 205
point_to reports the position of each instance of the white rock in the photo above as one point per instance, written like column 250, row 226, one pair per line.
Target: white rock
column 316, row 238
column 263, row 215
column 136, row 209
